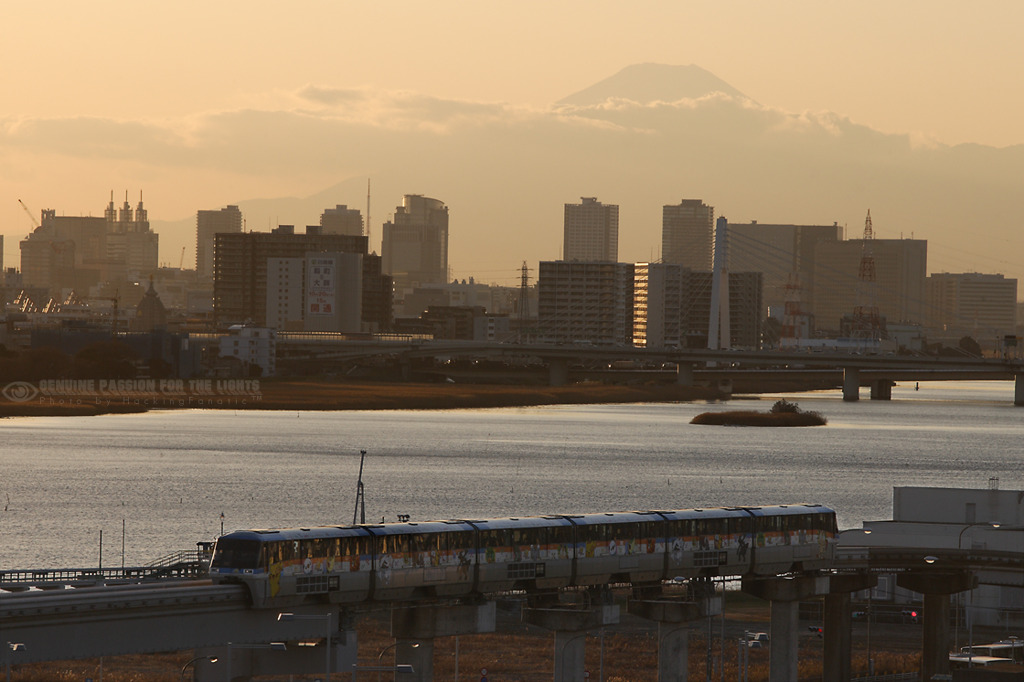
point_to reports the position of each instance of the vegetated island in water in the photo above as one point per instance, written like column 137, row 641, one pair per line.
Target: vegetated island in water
column 782, row 413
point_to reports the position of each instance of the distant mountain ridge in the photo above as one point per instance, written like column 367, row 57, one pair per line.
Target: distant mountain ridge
column 645, row 83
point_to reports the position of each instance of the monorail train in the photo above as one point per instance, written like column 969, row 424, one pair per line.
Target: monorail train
column 437, row 559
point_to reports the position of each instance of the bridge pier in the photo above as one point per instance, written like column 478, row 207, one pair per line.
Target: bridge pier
column 839, row 623
column 1018, row 389
column 936, row 588
column 558, row 372
column 415, row 628
column 570, row 626
column 243, row 662
column 673, row 617
column 684, row 374
column 851, row 384
column 881, row 389
column 785, row 595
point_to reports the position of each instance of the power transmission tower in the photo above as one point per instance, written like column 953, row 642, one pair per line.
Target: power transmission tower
column 866, row 321
column 523, row 305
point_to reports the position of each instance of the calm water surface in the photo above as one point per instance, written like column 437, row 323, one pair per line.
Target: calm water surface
column 168, row 476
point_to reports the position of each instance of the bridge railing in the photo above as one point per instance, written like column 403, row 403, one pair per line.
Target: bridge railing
column 192, row 563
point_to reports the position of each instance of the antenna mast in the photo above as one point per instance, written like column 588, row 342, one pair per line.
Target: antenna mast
column 360, row 510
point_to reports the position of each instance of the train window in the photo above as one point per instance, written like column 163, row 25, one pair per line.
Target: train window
column 595, row 533
column 236, row 554
column 559, row 535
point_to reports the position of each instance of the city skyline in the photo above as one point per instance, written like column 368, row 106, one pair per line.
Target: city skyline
column 870, row 122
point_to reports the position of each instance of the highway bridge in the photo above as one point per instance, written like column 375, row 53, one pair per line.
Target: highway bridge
column 565, row 361
column 114, row 617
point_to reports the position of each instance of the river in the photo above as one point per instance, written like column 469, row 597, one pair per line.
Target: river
column 159, row 482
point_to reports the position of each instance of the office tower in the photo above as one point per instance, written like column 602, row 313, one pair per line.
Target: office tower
column 972, row 304
column 687, row 232
column 585, row 301
column 208, row 224
column 415, row 243
column 780, row 252
column 342, row 220
column 132, row 249
column 591, row 231
column 900, row 274
column 672, row 307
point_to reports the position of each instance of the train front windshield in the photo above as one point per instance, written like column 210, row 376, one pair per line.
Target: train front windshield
column 236, row 554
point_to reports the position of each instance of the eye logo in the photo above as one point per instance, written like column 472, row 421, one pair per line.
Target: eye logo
column 19, row 391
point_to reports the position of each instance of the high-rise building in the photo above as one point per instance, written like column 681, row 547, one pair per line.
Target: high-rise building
column 415, row 243
column 591, row 231
column 78, row 252
column 319, row 292
column 585, row 301
column 208, row 224
column 241, row 277
column 981, row 306
column 672, row 307
column 687, row 233
column 899, row 291
column 779, row 251
column 342, row 220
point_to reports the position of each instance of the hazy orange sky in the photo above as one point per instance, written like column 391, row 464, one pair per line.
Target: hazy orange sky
column 939, row 70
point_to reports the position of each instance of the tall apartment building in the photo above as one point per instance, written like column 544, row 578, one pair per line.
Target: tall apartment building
column 319, row 292
column 899, row 290
column 415, row 243
column 779, row 251
column 687, row 234
column 672, row 307
column 78, row 252
column 591, row 231
column 342, row 220
column 208, row 224
column 974, row 304
column 585, row 301
column 240, row 273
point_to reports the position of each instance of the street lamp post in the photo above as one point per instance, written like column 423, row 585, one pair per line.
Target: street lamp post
column 208, row 659
column 969, row 614
column 288, row 617
column 380, row 658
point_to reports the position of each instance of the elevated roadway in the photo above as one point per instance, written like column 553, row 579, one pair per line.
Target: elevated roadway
column 858, row 369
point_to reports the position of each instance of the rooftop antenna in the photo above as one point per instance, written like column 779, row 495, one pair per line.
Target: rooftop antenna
column 360, row 510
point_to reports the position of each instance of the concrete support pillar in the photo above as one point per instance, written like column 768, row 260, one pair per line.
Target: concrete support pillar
column 673, row 652
column 881, row 389
column 785, row 595
column 838, row 624
column 558, row 372
column 419, row 653
column 684, row 374
column 570, row 626
column 672, row 617
column 1018, row 389
column 936, row 588
column 851, row 384
column 415, row 628
column 570, row 649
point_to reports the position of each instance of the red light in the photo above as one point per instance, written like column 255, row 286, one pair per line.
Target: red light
column 913, row 614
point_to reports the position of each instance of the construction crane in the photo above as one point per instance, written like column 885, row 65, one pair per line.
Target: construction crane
column 31, row 216
column 181, row 261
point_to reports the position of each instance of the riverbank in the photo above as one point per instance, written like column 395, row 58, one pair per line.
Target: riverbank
column 327, row 395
